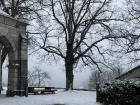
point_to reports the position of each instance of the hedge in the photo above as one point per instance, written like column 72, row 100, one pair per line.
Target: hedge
column 125, row 92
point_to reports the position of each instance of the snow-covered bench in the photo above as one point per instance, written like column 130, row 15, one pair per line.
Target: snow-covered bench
column 41, row 90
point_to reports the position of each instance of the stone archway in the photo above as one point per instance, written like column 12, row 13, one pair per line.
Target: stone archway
column 7, row 49
column 14, row 43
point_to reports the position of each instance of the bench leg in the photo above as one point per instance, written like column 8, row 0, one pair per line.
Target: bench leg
column 42, row 92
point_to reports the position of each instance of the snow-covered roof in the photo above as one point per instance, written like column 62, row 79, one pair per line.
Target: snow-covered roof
column 129, row 72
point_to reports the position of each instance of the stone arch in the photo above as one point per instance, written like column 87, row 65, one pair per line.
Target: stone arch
column 12, row 72
column 13, row 38
column 8, row 45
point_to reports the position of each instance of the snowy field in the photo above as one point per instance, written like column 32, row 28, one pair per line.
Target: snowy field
column 61, row 98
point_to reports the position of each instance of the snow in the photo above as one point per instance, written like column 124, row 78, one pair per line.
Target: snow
column 60, row 98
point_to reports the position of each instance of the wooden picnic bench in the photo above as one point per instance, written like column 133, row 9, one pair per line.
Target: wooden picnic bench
column 41, row 90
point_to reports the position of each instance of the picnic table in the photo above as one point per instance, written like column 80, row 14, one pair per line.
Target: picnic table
column 41, row 90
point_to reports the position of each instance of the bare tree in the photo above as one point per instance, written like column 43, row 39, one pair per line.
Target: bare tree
column 21, row 8
column 130, row 48
column 75, row 31
column 104, row 77
column 133, row 18
column 94, row 78
column 37, row 77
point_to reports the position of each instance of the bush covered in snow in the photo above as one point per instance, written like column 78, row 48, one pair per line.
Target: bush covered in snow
column 125, row 92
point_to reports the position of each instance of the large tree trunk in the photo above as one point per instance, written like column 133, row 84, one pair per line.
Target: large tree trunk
column 69, row 62
column 69, row 75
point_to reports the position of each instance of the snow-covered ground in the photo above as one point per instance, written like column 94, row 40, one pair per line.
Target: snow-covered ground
column 61, row 98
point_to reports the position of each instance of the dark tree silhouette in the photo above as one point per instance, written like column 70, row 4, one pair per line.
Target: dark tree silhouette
column 76, row 29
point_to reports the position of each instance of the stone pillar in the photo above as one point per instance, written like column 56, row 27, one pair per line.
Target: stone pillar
column 11, row 79
column 22, row 69
column 24, row 65
column 0, row 68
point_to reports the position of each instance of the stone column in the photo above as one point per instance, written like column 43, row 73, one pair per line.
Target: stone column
column 11, row 79
column 0, row 67
column 22, row 69
column 24, row 65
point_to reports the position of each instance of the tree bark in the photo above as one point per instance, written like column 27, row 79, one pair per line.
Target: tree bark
column 69, row 62
column 69, row 75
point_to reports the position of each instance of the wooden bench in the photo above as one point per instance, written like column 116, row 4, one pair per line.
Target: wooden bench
column 32, row 90
column 41, row 90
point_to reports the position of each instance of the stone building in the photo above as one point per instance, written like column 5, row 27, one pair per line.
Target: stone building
column 13, row 43
column 134, row 73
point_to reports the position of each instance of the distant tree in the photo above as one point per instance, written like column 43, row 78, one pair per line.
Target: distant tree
column 37, row 77
column 94, row 78
column 104, row 77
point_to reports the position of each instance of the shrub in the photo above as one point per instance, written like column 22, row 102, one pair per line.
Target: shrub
column 125, row 92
